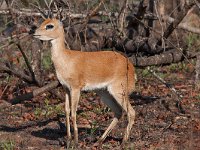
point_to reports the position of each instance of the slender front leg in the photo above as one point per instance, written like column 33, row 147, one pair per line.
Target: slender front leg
column 67, row 111
column 75, row 95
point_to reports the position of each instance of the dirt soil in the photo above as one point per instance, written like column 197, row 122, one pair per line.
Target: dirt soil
column 40, row 123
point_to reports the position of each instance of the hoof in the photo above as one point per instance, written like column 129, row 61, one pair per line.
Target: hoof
column 67, row 143
column 62, row 141
column 126, row 145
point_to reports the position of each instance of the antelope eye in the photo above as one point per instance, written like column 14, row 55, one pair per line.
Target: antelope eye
column 49, row 27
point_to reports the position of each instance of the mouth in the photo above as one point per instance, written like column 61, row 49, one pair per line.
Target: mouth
column 35, row 35
column 42, row 37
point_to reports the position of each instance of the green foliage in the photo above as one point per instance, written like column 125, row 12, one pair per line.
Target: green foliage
column 198, row 97
column 98, row 110
column 162, row 75
column 94, row 127
column 48, row 110
column 7, row 145
column 180, row 66
column 38, row 112
column 104, row 18
column 46, row 62
column 143, row 72
column 192, row 40
column 173, row 67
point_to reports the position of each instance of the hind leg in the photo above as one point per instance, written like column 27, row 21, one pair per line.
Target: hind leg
column 121, row 96
column 131, row 118
column 115, row 107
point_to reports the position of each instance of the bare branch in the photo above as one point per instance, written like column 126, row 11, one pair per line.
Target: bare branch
column 197, row 3
column 36, row 64
column 183, row 25
column 27, row 62
column 92, row 12
column 35, row 92
column 178, row 95
column 122, row 16
column 176, row 22
column 26, row 12
column 15, row 71
column 165, row 58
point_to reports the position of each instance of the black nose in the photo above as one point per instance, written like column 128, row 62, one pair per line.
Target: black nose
column 33, row 28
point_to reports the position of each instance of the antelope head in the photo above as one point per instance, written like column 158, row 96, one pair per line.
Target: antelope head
column 50, row 29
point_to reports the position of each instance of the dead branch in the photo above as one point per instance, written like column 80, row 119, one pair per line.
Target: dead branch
column 36, row 48
column 45, row 88
column 95, row 10
column 31, row 12
column 92, row 13
column 26, row 12
column 35, row 92
column 4, row 90
column 134, row 20
column 177, row 95
column 165, row 58
column 11, row 43
column 150, row 21
column 173, row 25
column 27, row 62
column 121, row 17
column 183, row 25
column 58, row 94
column 197, row 3
column 15, row 71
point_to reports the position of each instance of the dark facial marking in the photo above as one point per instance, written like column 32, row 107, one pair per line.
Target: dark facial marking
column 33, row 28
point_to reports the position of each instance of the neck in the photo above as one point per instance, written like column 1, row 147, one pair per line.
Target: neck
column 58, row 49
column 58, row 46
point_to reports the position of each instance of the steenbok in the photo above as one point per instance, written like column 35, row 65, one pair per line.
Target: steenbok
column 109, row 73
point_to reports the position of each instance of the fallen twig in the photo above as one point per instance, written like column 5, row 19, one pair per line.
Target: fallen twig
column 15, row 71
column 4, row 90
column 179, row 96
column 35, row 92
column 165, row 58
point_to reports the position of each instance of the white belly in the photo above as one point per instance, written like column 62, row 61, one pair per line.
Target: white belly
column 87, row 87
column 95, row 86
